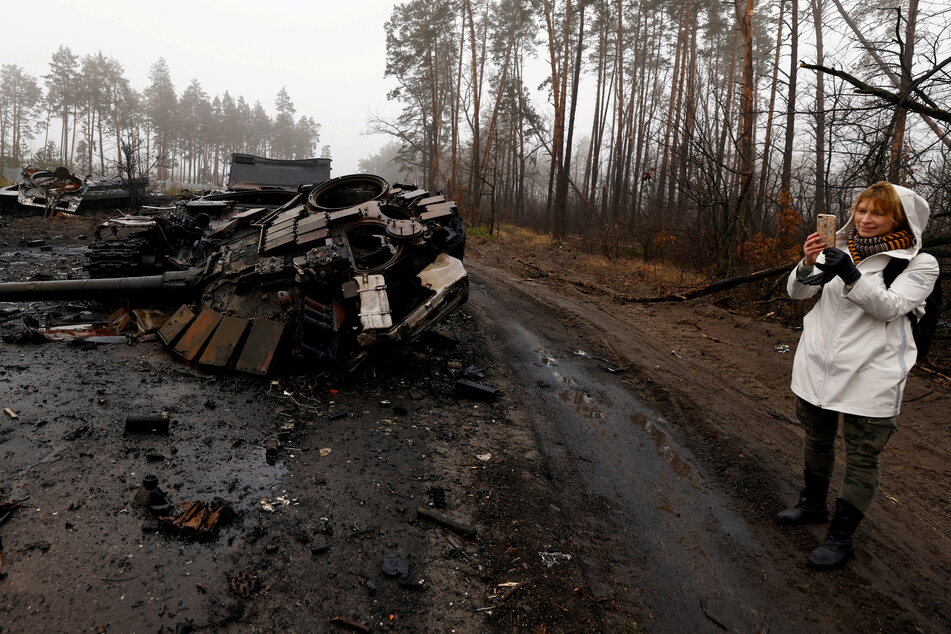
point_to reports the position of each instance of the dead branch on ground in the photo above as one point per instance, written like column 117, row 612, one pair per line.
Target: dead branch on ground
column 673, row 297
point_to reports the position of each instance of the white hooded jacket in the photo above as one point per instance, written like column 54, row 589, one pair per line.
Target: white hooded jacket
column 856, row 347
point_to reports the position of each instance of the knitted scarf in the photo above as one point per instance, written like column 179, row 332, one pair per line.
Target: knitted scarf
column 861, row 247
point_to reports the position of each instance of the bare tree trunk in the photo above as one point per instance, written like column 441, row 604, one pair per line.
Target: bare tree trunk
column 770, row 111
column 102, row 151
column 689, row 119
column 672, row 113
column 820, row 116
column 562, row 193
column 597, row 126
column 744, row 14
column 456, row 98
column 475, row 178
column 558, row 84
column 436, row 105
column 896, row 158
column 791, row 99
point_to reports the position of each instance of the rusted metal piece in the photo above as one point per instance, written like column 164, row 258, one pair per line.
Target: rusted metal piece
column 261, row 347
column 75, row 331
column 176, row 325
column 198, row 518
column 193, row 341
column 147, row 321
column 224, row 344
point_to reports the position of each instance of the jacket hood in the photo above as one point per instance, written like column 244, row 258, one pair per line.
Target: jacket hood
column 916, row 210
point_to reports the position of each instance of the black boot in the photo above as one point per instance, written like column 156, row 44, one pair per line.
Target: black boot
column 811, row 508
column 837, row 548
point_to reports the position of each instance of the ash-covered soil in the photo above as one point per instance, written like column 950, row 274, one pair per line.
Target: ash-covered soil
column 623, row 482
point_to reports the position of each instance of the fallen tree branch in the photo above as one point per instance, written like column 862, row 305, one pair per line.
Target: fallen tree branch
column 721, row 285
column 673, row 297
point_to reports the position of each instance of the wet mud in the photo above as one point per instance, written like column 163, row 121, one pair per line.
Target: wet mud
column 600, row 499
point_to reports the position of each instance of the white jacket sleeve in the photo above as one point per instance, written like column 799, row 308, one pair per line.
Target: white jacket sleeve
column 907, row 292
column 795, row 288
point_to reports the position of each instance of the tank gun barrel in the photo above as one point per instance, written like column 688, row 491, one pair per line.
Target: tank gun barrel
column 171, row 283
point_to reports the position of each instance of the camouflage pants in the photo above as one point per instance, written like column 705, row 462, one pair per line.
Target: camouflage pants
column 864, row 437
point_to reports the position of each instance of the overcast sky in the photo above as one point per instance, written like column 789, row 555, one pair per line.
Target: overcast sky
column 329, row 55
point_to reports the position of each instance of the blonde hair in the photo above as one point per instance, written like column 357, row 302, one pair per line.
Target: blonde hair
column 889, row 203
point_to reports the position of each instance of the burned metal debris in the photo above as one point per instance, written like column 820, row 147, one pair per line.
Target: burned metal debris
column 147, row 424
column 345, row 267
column 59, row 190
column 465, row 388
column 191, row 519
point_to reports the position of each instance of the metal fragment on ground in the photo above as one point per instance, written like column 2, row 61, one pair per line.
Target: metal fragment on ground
column 196, row 518
column 147, row 423
column 149, row 320
column 69, row 332
column 465, row 388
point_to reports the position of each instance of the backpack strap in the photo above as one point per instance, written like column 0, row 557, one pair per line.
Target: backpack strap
column 893, row 269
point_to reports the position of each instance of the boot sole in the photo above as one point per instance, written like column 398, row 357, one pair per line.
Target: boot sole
column 836, row 566
column 801, row 522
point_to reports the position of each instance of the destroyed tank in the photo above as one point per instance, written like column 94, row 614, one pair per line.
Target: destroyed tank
column 348, row 266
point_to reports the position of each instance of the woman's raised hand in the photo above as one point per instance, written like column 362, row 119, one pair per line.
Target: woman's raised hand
column 813, row 246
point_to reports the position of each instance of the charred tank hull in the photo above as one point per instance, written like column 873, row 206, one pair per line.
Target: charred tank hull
column 348, row 267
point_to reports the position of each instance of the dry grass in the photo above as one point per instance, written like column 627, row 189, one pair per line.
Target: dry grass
column 623, row 274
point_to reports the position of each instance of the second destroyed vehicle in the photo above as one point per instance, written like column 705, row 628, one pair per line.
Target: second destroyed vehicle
column 348, row 266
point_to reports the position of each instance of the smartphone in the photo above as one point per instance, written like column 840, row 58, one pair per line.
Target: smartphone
column 826, row 226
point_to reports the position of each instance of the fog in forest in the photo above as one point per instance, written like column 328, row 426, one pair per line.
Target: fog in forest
column 700, row 132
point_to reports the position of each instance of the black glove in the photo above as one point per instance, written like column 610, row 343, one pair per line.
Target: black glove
column 839, row 263
column 819, row 279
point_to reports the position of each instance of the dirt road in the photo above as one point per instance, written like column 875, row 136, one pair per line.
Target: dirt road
column 619, row 484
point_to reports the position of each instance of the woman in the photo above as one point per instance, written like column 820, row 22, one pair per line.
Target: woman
column 854, row 354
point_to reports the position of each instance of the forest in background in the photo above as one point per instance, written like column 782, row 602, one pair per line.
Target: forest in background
column 717, row 129
column 102, row 124
column 704, row 133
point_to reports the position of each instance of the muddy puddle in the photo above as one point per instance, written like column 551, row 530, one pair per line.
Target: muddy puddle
column 667, row 513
